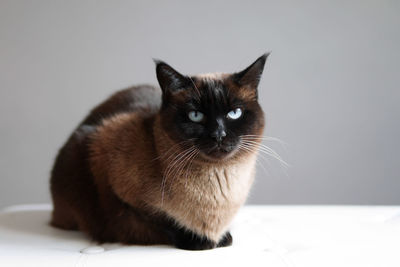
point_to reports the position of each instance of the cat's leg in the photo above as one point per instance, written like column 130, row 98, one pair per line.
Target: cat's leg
column 226, row 240
column 62, row 216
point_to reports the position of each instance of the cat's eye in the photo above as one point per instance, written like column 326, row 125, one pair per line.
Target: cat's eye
column 234, row 114
column 195, row 116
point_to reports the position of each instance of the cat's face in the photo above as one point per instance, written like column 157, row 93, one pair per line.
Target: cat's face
column 212, row 113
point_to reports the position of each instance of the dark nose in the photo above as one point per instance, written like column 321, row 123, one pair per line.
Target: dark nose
column 219, row 133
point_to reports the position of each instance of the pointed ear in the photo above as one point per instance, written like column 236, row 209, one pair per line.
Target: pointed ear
column 169, row 79
column 250, row 77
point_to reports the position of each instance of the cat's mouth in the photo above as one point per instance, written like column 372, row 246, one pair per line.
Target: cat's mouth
column 218, row 152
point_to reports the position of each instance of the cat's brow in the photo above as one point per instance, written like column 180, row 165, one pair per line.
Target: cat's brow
column 192, row 105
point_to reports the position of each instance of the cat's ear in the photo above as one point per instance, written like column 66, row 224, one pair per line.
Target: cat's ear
column 250, row 77
column 169, row 79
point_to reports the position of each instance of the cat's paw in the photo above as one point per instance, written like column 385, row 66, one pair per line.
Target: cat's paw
column 188, row 240
column 226, row 240
column 196, row 244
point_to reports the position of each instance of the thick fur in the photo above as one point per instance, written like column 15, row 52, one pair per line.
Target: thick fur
column 119, row 177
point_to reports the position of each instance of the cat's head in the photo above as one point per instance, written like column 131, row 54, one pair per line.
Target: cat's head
column 212, row 113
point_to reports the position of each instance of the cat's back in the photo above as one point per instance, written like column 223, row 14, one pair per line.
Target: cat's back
column 145, row 99
column 74, row 192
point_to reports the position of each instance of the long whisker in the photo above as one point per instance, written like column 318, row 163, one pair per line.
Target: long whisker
column 182, row 170
column 266, row 151
column 262, row 156
column 255, row 149
column 190, row 166
column 180, row 166
column 176, row 161
column 171, row 149
column 172, row 163
column 167, row 168
column 265, row 138
column 257, row 159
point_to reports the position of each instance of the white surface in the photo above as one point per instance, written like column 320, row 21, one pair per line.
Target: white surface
column 270, row 236
column 93, row 250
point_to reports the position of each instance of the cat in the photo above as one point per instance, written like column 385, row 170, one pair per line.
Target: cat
column 169, row 166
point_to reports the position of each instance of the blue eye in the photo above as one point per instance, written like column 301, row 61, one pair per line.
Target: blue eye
column 195, row 116
column 234, row 114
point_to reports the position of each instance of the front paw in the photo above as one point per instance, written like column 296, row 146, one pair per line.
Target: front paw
column 196, row 243
column 226, row 240
column 188, row 240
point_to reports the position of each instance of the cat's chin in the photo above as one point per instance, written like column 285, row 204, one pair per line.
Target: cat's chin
column 218, row 155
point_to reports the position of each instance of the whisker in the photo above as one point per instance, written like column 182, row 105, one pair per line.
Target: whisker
column 265, row 138
column 190, row 165
column 171, row 148
column 258, row 158
column 167, row 171
column 180, row 167
column 177, row 161
column 267, row 150
column 262, row 146
column 256, row 150
column 265, row 159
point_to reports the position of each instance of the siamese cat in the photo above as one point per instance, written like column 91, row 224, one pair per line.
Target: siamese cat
column 169, row 166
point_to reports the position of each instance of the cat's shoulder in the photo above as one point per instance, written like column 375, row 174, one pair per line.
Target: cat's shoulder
column 143, row 99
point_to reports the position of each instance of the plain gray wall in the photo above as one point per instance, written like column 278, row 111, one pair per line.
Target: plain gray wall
column 330, row 89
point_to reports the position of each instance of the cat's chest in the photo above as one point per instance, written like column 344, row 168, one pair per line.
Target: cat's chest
column 220, row 186
column 207, row 199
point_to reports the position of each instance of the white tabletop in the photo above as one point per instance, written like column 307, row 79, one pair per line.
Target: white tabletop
column 270, row 236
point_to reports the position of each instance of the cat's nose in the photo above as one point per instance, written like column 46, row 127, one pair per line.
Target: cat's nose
column 219, row 132
column 218, row 135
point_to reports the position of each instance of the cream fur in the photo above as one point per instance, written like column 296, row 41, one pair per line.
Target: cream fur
column 205, row 198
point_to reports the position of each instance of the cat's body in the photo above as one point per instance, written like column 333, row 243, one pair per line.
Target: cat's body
column 127, row 174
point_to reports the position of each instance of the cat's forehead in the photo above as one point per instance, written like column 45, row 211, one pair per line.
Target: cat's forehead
column 212, row 88
column 211, row 82
column 214, row 91
column 221, row 88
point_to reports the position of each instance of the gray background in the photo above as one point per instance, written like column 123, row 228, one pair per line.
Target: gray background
column 330, row 89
